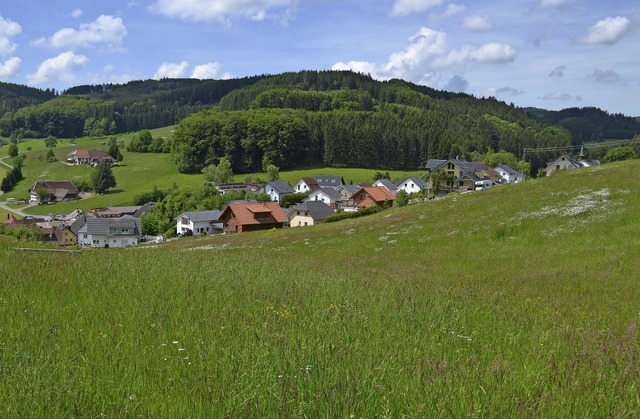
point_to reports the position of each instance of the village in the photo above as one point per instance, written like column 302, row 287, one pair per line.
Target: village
column 323, row 197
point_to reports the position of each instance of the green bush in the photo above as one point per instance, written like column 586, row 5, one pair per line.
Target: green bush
column 356, row 214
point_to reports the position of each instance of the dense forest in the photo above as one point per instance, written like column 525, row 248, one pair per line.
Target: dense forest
column 590, row 124
column 307, row 118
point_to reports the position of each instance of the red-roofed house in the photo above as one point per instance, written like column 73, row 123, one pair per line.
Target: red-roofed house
column 368, row 196
column 240, row 217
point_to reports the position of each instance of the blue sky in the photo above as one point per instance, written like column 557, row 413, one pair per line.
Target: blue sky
column 551, row 54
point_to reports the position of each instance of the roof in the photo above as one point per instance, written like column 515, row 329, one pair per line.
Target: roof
column 351, row 188
column 56, row 187
column 311, row 183
column 434, row 164
column 281, row 187
column 317, row 210
column 331, row 181
column 103, row 225
column 376, row 193
column 330, row 192
column 415, row 179
column 199, row 216
column 244, row 212
column 386, row 183
column 507, row 169
column 82, row 153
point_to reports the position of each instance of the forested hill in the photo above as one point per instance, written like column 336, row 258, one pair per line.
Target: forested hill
column 112, row 108
column 590, row 124
column 349, row 119
column 16, row 96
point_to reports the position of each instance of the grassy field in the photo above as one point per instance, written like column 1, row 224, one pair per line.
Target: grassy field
column 521, row 301
column 139, row 173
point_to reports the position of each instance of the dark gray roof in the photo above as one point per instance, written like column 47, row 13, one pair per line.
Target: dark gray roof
column 387, row 184
column 507, row 169
column 280, row 186
column 331, row 181
column 212, row 215
column 332, row 193
column 317, row 210
column 351, row 188
column 419, row 182
column 103, row 225
column 434, row 164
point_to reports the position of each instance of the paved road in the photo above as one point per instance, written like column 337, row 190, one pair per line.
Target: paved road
column 3, row 203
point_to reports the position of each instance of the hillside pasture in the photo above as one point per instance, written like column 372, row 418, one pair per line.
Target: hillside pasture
column 519, row 301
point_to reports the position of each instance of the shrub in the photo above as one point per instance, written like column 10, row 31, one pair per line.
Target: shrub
column 355, row 214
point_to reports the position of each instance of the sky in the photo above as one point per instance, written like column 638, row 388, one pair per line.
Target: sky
column 551, row 54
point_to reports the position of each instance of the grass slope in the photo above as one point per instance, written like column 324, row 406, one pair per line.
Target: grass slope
column 518, row 301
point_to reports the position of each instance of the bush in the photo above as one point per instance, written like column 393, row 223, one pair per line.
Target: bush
column 355, row 214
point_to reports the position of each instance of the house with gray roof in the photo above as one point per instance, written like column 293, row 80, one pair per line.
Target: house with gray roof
column 508, row 174
column 277, row 190
column 385, row 183
column 199, row 222
column 309, row 213
column 412, row 185
column 96, row 231
column 327, row 195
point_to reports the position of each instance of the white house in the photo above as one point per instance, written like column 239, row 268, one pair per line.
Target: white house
column 94, row 231
column 508, row 174
column 328, row 181
column 199, row 222
column 277, row 189
column 412, row 185
column 306, row 184
column 385, row 183
column 329, row 196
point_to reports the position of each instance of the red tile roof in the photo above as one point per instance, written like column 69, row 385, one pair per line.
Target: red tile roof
column 376, row 193
column 245, row 212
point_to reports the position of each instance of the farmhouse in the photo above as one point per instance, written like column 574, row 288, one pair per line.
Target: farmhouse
column 240, row 217
column 55, row 191
column 508, row 174
column 566, row 162
column 81, row 157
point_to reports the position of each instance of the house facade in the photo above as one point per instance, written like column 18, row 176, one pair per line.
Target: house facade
column 241, row 217
column 566, row 162
column 508, row 174
column 325, row 181
column 306, row 184
column 199, row 222
column 412, row 185
column 325, row 195
column 459, row 175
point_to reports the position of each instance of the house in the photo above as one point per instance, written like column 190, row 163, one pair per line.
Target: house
column 56, row 191
column 309, row 213
column 199, row 222
column 508, row 174
column 329, row 196
column 458, row 174
column 13, row 222
column 346, row 191
column 329, row 181
column 306, row 184
column 58, row 232
column 412, row 185
column 240, row 216
column 368, row 196
column 566, row 162
column 277, row 190
column 96, row 231
column 386, row 183
column 90, row 157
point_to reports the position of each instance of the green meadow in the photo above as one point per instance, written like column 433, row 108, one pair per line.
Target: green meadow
column 520, row 301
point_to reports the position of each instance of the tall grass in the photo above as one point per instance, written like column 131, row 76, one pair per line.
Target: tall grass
column 510, row 302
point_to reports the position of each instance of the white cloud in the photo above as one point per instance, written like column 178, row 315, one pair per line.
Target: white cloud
column 405, row 7
column 558, row 71
column 363, row 67
column 9, row 68
column 76, row 13
column 477, row 23
column 558, row 96
column 206, row 71
column 59, row 68
column 494, row 53
column 171, row 70
column 105, row 29
column 427, row 44
column 223, row 10
column 553, row 3
column 8, row 29
column 451, row 10
column 607, row 31
column 605, row 76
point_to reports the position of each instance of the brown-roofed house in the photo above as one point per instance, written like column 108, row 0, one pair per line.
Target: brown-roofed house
column 240, row 217
column 56, row 191
column 368, row 196
column 90, row 157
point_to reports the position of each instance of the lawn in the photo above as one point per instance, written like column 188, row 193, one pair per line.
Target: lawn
column 519, row 301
